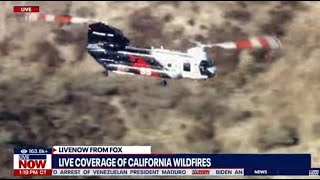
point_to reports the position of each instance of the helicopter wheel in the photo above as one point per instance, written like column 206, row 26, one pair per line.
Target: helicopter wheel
column 164, row 83
column 105, row 73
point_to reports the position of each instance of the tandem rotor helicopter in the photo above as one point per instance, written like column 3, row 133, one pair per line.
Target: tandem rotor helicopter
column 111, row 49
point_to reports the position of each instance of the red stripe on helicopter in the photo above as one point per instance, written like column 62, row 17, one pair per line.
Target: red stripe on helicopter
column 243, row 44
column 264, row 43
column 142, row 63
column 63, row 19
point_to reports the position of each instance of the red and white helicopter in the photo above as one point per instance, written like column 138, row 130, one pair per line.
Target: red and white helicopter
column 111, row 49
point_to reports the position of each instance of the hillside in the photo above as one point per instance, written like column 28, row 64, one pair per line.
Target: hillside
column 53, row 93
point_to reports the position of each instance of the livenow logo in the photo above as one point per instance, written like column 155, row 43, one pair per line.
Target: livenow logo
column 31, row 164
column 32, row 161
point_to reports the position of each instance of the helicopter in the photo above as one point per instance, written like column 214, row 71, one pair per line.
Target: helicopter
column 112, row 50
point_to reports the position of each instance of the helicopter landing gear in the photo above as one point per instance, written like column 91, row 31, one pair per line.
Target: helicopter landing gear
column 164, row 83
column 105, row 73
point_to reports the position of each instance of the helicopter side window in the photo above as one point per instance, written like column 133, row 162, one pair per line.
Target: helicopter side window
column 186, row 66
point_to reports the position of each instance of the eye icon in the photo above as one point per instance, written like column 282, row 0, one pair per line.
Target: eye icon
column 23, row 151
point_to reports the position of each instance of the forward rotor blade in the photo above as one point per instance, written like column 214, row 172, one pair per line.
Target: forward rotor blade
column 264, row 42
column 57, row 19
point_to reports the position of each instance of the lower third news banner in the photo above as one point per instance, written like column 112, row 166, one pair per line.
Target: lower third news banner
column 139, row 161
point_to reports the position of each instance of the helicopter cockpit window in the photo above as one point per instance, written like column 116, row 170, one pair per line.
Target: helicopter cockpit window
column 186, row 66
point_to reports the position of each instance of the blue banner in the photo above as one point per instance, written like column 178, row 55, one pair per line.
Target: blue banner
column 33, row 157
column 250, row 161
column 32, row 151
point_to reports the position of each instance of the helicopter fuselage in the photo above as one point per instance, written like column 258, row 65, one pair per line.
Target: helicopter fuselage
column 112, row 50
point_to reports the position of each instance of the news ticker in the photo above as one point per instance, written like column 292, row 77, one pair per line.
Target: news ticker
column 139, row 161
